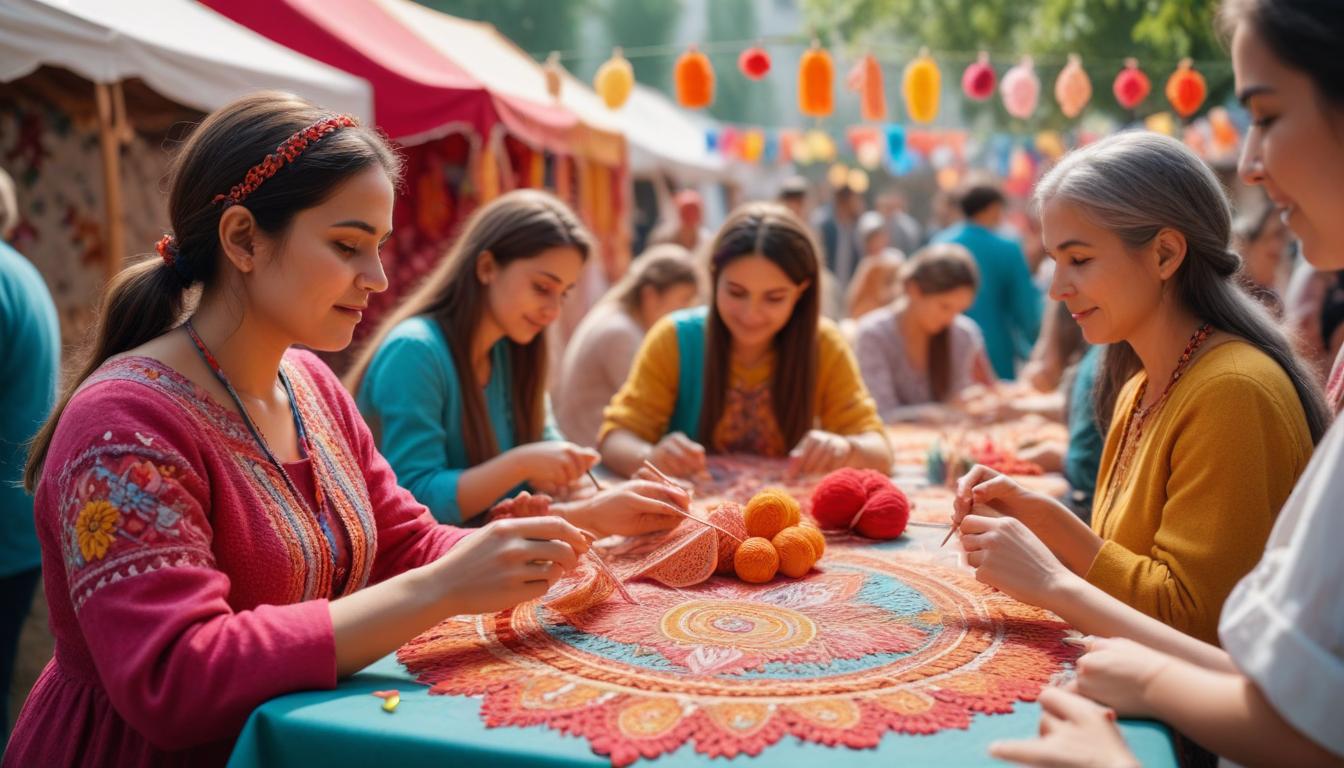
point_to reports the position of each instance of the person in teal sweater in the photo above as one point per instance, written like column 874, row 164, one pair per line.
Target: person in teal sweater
column 453, row 383
column 30, row 361
column 1008, row 306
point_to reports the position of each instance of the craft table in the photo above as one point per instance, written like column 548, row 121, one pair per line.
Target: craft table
column 347, row 727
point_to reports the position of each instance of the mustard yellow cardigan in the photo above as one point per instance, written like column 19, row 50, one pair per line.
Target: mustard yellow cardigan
column 1214, row 465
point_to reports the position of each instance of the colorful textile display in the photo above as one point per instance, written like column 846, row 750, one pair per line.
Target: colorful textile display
column 871, row 643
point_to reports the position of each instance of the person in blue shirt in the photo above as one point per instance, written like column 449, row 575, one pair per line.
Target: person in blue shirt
column 1008, row 306
column 30, row 361
column 453, row 384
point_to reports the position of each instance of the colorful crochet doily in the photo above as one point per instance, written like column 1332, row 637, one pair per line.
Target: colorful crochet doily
column 875, row 641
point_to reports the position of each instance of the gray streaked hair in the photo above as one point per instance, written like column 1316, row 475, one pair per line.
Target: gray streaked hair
column 1137, row 183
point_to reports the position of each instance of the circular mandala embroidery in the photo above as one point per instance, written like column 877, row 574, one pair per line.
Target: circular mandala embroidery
column 874, row 642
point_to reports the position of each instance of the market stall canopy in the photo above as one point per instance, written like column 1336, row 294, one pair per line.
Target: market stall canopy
column 664, row 138
column 506, row 69
column 419, row 93
column 182, row 50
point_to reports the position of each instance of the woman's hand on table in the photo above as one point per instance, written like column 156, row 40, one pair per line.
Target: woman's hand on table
column 1074, row 733
column 508, row 562
column 819, row 452
column 630, row 509
column 552, row 466
column 1006, row 555
column 679, row 456
column 1118, row 673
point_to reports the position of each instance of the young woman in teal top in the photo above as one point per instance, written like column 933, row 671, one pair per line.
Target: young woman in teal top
column 453, row 382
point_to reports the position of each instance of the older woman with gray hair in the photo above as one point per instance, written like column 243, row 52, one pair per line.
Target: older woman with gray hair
column 1215, row 418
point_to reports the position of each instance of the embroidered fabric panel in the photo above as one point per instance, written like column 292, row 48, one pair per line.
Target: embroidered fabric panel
column 871, row 642
column 125, row 512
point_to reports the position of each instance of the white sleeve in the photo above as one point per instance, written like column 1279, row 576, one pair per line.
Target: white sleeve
column 1283, row 625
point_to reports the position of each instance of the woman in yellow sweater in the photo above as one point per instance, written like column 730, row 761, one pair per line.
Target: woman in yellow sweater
column 1215, row 419
column 755, row 372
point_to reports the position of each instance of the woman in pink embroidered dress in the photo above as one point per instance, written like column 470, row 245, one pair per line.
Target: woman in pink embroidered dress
column 217, row 527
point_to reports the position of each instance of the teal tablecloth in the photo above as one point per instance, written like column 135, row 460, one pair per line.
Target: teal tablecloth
column 347, row 727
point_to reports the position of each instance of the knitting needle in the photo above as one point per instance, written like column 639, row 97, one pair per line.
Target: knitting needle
column 602, row 564
column 596, row 484
column 670, row 482
column 950, row 531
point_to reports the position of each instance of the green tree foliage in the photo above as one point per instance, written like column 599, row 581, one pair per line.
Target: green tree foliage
column 534, row 26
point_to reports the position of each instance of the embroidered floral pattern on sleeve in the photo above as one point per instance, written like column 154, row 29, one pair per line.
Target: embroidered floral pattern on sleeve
column 127, row 514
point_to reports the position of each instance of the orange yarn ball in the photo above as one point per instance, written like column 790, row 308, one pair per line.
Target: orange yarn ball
column 756, row 561
column 815, row 536
column 796, row 553
column 771, row 511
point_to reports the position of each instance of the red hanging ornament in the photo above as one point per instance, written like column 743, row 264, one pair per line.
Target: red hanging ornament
column 1186, row 89
column 977, row 82
column 754, row 62
column 1131, row 86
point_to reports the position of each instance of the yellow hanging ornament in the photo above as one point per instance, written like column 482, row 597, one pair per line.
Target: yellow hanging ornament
column 921, row 85
column 614, row 80
column 816, row 82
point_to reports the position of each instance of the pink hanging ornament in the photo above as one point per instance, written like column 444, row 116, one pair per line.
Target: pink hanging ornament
column 1131, row 86
column 977, row 82
column 1021, row 89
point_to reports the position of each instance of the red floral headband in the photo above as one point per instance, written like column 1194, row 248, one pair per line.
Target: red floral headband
column 284, row 154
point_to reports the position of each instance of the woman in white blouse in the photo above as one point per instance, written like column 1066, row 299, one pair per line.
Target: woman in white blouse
column 1273, row 694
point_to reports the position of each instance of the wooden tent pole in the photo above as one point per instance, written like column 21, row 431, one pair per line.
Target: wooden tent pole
column 110, row 132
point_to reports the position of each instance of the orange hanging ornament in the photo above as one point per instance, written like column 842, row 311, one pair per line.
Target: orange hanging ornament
column 1072, row 88
column 816, row 82
column 1131, row 86
column 1186, row 89
column 614, row 80
column 873, row 103
column 921, row 85
column 694, row 79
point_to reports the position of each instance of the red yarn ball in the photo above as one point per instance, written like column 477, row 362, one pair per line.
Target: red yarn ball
column 885, row 515
column 874, row 481
column 838, row 498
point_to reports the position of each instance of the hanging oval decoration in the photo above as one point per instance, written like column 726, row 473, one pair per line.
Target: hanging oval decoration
column 1021, row 89
column 921, row 85
column 694, row 79
column 1186, row 89
column 614, row 80
column 873, row 104
column 551, row 70
column 1131, row 86
column 816, row 82
column 1073, row 89
column 978, row 81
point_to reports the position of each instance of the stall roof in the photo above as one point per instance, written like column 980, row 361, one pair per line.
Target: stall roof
column 181, row 49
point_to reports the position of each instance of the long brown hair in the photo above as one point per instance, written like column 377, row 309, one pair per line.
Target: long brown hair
column 771, row 231
column 150, row 297
column 518, row 225
column 936, row 269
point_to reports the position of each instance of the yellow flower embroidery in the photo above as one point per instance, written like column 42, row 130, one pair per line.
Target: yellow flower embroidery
column 97, row 521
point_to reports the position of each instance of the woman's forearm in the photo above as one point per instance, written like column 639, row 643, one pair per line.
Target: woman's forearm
column 1092, row 611
column 623, row 451
column 1226, row 713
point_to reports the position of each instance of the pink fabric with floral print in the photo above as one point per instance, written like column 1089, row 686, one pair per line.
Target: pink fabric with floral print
column 186, row 583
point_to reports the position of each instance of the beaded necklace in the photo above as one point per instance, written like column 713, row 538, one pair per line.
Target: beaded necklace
column 1138, row 417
